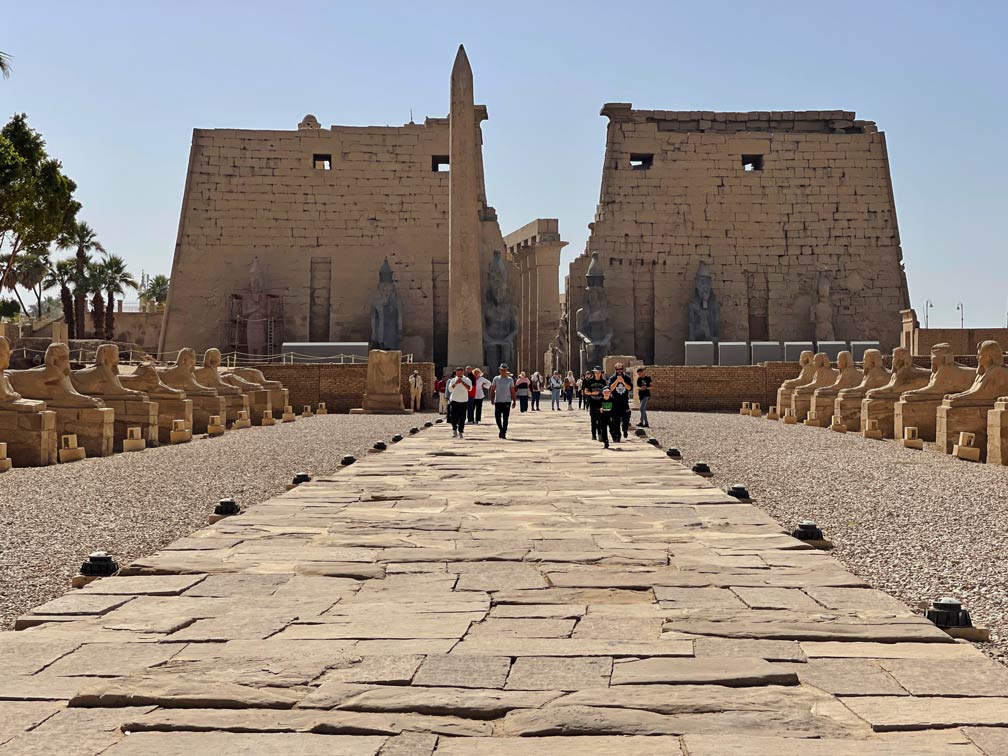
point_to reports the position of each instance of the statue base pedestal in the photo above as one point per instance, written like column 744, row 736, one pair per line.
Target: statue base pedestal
column 382, row 404
column 921, row 415
column 821, row 411
column 997, row 434
column 279, row 397
column 801, row 404
column 233, row 404
column 130, row 414
column 881, row 410
column 258, row 402
column 849, row 411
column 784, row 399
column 203, row 408
column 93, row 426
column 30, row 434
column 170, row 410
column 951, row 421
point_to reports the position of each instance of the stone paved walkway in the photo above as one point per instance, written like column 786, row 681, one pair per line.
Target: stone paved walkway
column 539, row 596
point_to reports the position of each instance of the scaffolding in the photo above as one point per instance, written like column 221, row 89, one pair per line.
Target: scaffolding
column 269, row 313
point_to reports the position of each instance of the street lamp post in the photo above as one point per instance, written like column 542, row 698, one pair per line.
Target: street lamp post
column 962, row 314
column 927, row 307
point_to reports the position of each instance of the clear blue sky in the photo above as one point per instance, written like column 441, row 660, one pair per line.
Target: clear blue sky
column 117, row 87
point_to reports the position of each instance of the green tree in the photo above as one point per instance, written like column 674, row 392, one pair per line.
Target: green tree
column 94, row 283
column 36, row 198
column 157, row 289
column 115, row 279
column 80, row 237
column 5, row 66
column 61, row 276
column 28, row 271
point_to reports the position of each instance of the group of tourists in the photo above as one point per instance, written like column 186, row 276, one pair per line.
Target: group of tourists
column 461, row 395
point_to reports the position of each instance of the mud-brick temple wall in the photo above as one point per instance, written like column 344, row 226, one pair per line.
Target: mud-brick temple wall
column 341, row 387
column 320, row 209
column 675, row 191
column 716, row 389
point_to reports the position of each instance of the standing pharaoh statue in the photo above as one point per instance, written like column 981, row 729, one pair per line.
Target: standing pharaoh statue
column 500, row 319
column 594, row 326
column 255, row 311
column 822, row 310
column 704, row 311
column 386, row 317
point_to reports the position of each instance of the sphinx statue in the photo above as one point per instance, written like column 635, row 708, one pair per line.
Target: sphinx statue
column 824, row 398
column 146, row 379
column 787, row 387
column 51, row 382
column 594, row 326
column 822, row 310
column 386, row 316
column 878, row 403
column 918, row 408
column 182, row 376
column 967, row 411
column 9, row 398
column 102, row 378
column 278, row 395
column 500, row 317
column 31, row 442
column 848, row 401
column 210, row 376
column 703, row 311
column 822, row 376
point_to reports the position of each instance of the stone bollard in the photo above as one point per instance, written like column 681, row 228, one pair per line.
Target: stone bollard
column 872, row 431
column 243, row 420
column 267, row 417
column 69, row 451
column 288, row 414
column 789, row 417
column 772, row 413
column 215, row 427
column 756, row 410
column 224, row 508
column 911, row 439
column 97, row 565
column 746, row 409
column 5, row 463
column 837, row 424
column 947, row 613
column 808, row 532
column 179, row 433
column 307, row 411
column 134, row 440
column 321, row 410
column 967, row 448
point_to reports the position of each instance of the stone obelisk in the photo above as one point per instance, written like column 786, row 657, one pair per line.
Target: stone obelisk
column 465, row 317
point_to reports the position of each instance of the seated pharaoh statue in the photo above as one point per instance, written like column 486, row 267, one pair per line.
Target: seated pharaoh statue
column 146, row 379
column 51, row 382
column 209, row 375
column 9, row 398
column 181, row 375
column 947, row 377
column 873, row 375
column 102, row 378
column 905, row 376
column 990, row 383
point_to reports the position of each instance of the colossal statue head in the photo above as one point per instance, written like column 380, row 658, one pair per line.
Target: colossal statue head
column 212, row 358
column 872, row 360
column 989, row 354
column 844, row 360
column 497, row 278
column 595, row 276
column 704, row 284
column 901, row 358
column 823, row 285
column 4, row 353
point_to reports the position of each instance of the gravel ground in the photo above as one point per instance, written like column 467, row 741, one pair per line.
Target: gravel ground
column 133, row 504
column 917, row 525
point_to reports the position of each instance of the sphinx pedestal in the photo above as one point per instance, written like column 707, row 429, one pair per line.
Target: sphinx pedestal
column 951, row 421
column 258, row 402
column 997, row 433
column 130, row 414
column 881, row 410
column 278, row 397
column 170, row 410
column 93, row 426
column 801, row 404
column 821, row 411
column 849, row 411
column 784, row 399
column 922, row 415
column 30, row 435
column 203, row 408
column 233, row 403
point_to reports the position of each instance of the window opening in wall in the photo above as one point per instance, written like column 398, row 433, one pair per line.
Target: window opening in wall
column 439, row 163
column 752, row 162
column 641, row 162
column 322, row 162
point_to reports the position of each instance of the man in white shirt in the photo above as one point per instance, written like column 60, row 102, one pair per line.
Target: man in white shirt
column 415, row 390
column 458, row 401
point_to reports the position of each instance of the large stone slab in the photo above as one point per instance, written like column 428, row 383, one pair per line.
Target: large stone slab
column 886, row 713
column 736, row 672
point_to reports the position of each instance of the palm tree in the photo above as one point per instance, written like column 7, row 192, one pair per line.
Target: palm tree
column 157, row 289
column 61, row 275
column 95, row 285
column 28, row 272
column 116, row 279
column 5, row 66
column 83, row 239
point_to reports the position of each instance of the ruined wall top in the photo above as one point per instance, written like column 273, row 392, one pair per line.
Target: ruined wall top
column 795, row 121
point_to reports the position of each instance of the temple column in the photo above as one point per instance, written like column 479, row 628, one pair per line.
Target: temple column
column 547, row 276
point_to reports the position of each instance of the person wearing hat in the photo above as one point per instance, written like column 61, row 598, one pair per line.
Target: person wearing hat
column 504, row 395
column 480, row 385
column 592, row 389
column 415, row 390
column 458, row 401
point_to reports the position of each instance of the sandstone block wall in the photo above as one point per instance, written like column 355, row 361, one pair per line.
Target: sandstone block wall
column 675, row 191
column 320, row 209
column 341, row 387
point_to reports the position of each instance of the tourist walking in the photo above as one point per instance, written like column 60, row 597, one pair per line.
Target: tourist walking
column 471, row 404
column 608, row 418
column 569, row 384
column 592, row 388
column 503, row 395
column 458, row 401
column 523, row 391
column 622, row 390
column 556, row 385
column 440, row 386
column 415, row 390
column 587, row 377
column 643, row 394
column 480, row 385
column 536, row 385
